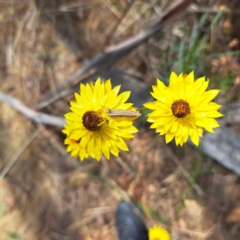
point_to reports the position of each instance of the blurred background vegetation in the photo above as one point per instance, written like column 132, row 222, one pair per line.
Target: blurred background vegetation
column 48, row 195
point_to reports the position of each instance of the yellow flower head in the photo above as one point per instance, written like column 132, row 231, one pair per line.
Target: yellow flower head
column 183, row 108
column 158, row 233
column 90, row 130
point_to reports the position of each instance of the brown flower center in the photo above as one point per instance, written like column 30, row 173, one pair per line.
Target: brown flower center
column 91, row 120
column 180, row 108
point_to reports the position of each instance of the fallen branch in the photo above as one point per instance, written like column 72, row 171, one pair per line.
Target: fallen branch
column 105, row 60
column 231, row 113
column 40, row 118
column 223, row 146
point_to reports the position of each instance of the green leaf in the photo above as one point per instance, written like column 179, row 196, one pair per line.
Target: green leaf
column 12, row 235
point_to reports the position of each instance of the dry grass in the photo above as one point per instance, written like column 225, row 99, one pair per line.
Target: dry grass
column 47, row 194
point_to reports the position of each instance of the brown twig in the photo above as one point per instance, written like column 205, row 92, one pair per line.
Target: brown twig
column 40, row 118
column 18, row 153
column 185, row 173
column 116, row 25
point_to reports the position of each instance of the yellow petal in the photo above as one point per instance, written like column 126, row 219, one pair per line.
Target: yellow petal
column 194, row 136
column 169, row 137
column 209, row 95
column 108, row 86
column 76, row 134
column 105, row 150
column 190, row 77
column 173, row 80
column 124, row 97
column 161, row 85
column 150, row 105
column 84, row 140
column 71, row 116
column 121, row 144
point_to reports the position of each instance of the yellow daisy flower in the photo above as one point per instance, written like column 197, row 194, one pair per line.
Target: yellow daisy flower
column 183, row 108
column 90, row 130
column 158, row 233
